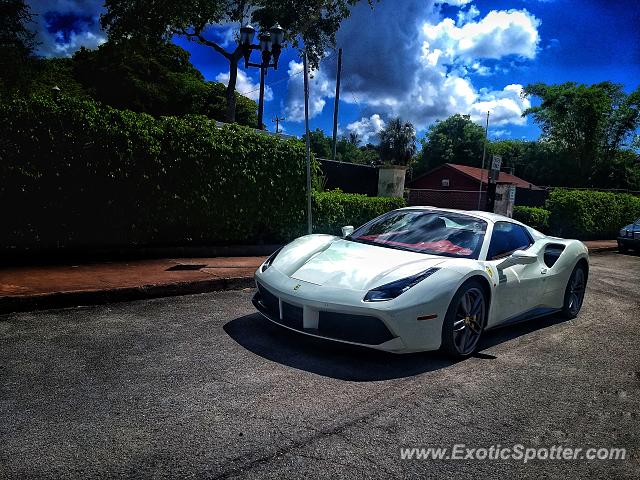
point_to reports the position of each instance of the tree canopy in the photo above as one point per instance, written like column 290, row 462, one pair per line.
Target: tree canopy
column 588, row 124
column 16, row 43
column 133, row 74
column 313, row 23
column 454, row 140
column 347, row 149
column 397, row 142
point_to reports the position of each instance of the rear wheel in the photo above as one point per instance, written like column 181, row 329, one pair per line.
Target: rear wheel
column 574, row 293
column 465, row 320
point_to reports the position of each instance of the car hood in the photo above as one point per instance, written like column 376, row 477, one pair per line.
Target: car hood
column 357, row 266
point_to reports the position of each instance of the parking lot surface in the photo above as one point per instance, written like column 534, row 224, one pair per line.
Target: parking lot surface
column 201, row 386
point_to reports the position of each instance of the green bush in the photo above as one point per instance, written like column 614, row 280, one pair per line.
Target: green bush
column 590, row 215
column 535, row 217
column 79, row 174
column 334, row 209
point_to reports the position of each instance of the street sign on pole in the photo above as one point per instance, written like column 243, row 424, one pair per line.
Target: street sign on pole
column 496, row 163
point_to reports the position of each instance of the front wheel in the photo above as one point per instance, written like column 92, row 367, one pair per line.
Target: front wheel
column 465, row 320
column 574, row 293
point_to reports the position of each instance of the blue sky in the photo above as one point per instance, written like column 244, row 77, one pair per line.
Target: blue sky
column 418, row 59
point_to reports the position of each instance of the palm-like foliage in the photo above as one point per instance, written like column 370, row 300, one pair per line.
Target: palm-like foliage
column 397, row 142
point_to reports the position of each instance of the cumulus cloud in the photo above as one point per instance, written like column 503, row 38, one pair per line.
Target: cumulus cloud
column 506, row 106
column 367, row 128
column 457, row 3
column 500, row 33
column 63, row 26
column 319, row 89
column 422, row 66
column 465, row 16
column 246, row 86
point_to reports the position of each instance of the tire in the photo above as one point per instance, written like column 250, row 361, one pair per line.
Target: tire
column 623, row 248
column 574, row 292
column 465, row 320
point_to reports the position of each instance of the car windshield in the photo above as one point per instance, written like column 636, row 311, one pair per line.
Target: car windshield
column 425, row 231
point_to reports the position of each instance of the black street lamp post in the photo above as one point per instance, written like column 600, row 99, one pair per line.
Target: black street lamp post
column 271, row 46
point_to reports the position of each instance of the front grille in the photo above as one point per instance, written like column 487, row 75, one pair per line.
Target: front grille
column 339, row 326
column 270, row 301
column 353, row 328
column 291, row 316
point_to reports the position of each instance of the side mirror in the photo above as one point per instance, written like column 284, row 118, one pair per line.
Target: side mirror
column 348, row 230
column 519, row 257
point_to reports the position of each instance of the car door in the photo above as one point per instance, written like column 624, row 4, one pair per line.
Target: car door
column 519, row 288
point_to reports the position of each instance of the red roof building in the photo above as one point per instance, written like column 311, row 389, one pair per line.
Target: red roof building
column 456, row 186
column 463, row 177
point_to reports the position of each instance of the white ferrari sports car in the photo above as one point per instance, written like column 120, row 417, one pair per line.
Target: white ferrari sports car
column 421, row 278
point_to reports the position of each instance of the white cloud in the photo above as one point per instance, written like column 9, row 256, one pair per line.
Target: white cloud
column 367, row 128
column 506, row 106
column 465, row 16
column 423, row 66
column 457, row 3
column 246, row 86
column 74, row 41
column 500, row 33
column 500, row 133
column 85, row 31
column 319, row 88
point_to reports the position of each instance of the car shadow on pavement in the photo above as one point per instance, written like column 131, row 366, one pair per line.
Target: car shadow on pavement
column 507, row 332
column 353, row 363
column 324, row 357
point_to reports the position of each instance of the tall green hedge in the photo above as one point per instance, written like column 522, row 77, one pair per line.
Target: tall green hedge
column 590, row 215
column 334, row 209
column 79, row 174
column 535, row 217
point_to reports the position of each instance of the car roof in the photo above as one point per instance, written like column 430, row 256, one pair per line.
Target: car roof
column 489, row 216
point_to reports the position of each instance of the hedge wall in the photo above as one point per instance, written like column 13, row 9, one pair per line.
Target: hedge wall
column 535, row 217
column 79, row 174
column 334, row 209
column 590, row 215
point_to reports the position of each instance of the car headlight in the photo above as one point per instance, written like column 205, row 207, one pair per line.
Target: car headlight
column 392, row 290
column 270, row 260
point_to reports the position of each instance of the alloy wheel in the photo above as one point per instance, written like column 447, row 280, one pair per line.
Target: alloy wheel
column 576, row 291
column 469, row 321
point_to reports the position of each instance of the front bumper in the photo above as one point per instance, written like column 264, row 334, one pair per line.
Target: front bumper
column 629, row 242
column 341, row 315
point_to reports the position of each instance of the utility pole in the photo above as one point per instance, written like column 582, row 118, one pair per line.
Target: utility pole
column 306, row 129
column 484, row 153
column 336, row 104
column 263, row 72
column 277, row 121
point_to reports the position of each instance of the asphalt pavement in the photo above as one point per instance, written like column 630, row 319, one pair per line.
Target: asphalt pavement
column 201, row 386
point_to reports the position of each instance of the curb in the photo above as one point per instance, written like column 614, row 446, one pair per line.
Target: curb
column 12, row 304
column 603, row 249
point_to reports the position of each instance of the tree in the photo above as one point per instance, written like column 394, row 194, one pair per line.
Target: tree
column 397, row 142
column 155, row 78
column 319, row 143
column 454, row 140
column 587, row 124
column 310, row 22
column 56, row 72
column 16, row 44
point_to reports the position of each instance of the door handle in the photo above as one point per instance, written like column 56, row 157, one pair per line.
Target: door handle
column 543, row 271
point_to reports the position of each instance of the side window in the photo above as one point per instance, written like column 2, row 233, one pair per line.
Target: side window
column 506, row 238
